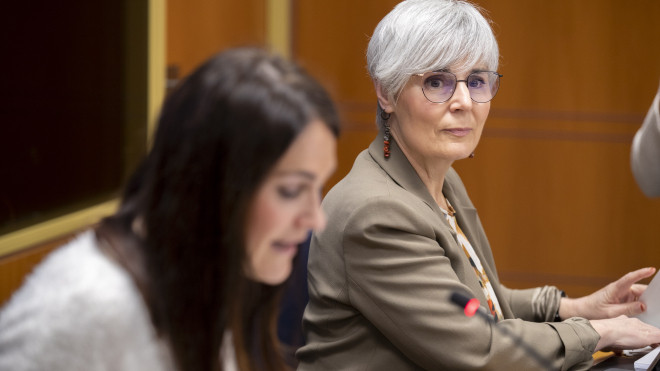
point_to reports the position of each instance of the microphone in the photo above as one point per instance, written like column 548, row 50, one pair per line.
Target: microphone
column 471, row 307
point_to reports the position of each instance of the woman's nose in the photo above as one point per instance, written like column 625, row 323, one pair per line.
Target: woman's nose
column 462, row 94
column 319, row 218
column 313, row 217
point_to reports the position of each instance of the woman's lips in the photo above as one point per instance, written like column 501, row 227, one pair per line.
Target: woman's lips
column 459, row 132
column 285, row 247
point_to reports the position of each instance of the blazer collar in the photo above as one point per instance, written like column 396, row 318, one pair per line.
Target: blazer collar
column 401, row 171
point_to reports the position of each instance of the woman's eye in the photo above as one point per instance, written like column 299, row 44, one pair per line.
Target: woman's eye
column 440, row 81
column 289, row 192
column 434, row 82
column 476, row 82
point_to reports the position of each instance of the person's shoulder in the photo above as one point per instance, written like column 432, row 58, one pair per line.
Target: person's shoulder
column 77, row 270
column 364, row 181
column 389, row 207
column 80, row 304
column 75, row 282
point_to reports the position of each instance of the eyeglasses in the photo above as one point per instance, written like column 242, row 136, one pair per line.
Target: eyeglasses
column 439, row 86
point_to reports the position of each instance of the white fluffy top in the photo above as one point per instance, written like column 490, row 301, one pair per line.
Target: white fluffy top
column 79, row 310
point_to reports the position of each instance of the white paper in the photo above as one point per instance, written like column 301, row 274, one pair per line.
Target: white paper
column 651, row 297
column 648, row 361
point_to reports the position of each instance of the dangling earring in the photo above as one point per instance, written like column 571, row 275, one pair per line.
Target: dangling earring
column 386, row 142
column 471, row 155
column 386, row 138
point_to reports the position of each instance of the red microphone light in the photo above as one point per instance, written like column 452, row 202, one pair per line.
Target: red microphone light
column 471, row 307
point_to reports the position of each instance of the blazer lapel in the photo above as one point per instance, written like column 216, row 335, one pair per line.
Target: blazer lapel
column 468, row 219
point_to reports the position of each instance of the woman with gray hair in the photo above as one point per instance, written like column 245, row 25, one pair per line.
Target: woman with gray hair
column 403, row 239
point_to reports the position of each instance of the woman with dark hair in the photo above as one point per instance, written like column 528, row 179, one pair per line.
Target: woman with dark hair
column 186, row 274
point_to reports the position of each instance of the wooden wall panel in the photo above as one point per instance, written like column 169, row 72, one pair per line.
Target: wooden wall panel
column 196, row 29
column 329, row 40
column 551, row 177
column 14, row 268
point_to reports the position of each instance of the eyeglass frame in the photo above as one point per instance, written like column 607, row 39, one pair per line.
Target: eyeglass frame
column 499, row 76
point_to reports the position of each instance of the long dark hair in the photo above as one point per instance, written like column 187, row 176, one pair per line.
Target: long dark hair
column 180, row 228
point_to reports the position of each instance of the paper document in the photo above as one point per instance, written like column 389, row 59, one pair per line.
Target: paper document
column 651, row 297
column 648, row 361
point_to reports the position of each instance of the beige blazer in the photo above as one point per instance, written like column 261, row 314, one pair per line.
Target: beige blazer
column 382, row 272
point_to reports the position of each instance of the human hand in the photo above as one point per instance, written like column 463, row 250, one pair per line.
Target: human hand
column 617, row 298
column 623, row 332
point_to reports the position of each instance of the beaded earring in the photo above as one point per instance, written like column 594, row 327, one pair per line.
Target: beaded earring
column 386, row 138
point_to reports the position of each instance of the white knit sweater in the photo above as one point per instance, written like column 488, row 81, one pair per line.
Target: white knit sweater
column 79, row 311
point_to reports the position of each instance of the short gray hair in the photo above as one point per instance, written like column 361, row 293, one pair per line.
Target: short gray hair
column 418, row 36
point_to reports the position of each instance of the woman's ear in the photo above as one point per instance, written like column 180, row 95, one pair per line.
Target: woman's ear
column 383, row 100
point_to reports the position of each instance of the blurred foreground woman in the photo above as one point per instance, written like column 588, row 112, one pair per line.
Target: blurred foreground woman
column 185, row 275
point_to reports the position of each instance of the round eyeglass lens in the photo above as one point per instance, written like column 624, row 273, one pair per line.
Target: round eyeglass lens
column 483, row 85
column 439, row 86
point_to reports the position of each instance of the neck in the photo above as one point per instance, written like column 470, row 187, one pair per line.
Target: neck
column 431, row 171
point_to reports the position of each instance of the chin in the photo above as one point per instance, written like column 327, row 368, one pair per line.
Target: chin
column 275, row 282
column 276, row 278
column 458, row 156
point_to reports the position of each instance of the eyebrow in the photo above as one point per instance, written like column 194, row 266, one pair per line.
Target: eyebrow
column 300, row 173
column 471, row 71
